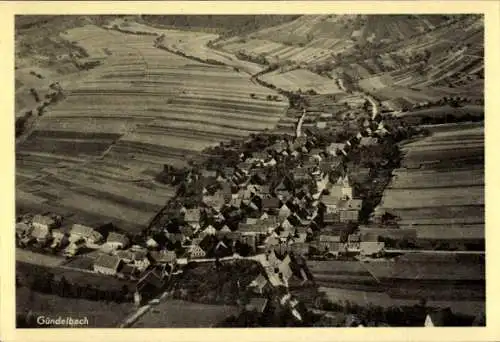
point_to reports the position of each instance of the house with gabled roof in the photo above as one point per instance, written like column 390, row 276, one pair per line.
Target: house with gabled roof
column 117, row 240
column 43, row 223
column 107, row 264
column 223, row 232
column 196, row 252
column 164, row 257
column 284, row 212
column 89, row 234
column 369, row 245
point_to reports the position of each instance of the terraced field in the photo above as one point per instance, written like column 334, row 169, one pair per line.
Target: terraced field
column 439, row 190
column 144, row 107
column 319, row 38
column 454, row 66
column 192, row 44
column 444, row 281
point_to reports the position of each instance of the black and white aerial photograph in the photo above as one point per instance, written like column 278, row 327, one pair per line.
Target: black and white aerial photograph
column 245, row 171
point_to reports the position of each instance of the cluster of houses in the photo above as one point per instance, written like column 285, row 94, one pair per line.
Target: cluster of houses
column 260, row 207
column 44, row 231
column 310, row 209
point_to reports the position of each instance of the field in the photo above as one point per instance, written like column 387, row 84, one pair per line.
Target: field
column 100, row 314
column 304, row 80
column 439, row 191
column 384, row 300
column 183, row 314
column 401, row 78
column 318, row 38
column 443, row 280
column 88, row 154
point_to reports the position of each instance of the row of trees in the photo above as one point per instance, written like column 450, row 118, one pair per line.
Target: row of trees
column 406, row 315
column 194, row 58
column 47, row 283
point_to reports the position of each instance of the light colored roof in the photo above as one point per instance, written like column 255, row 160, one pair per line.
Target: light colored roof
column 116, row 237
column 225, row 229
column 83, row 230
column 39, row 232
column 43, row 220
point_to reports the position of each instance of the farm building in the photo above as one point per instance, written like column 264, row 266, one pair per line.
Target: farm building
column 79, row 231
column 117, row 241
column 153, row 280
column 164, row 257
column 138, row 258
column 44, row 222
column 371, row 247
column 41, row 233
column 107, row 264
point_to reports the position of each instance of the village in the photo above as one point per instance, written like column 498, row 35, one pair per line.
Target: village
column 289, row 201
